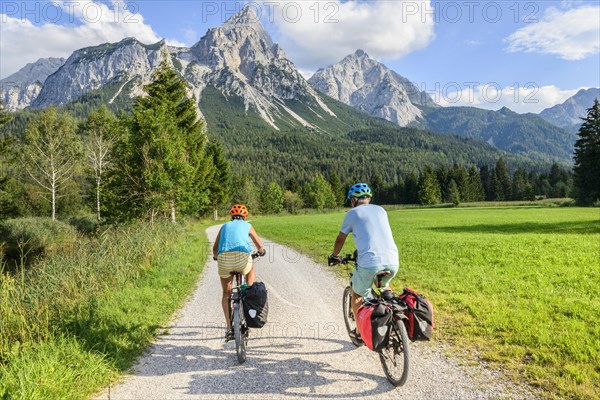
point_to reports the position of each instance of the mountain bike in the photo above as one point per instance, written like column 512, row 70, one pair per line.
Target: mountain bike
column 236, row 313
column 395, row 356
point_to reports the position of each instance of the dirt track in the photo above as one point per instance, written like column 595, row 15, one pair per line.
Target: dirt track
column 303, row 352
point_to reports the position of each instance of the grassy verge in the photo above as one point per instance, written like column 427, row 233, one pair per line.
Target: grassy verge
column 520, row 286
column 74, row 321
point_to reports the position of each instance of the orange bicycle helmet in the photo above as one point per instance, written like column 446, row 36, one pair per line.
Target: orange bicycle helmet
column 238, row 210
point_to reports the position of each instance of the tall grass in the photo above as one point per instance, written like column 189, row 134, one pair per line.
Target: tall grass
column 520, row 286
column 73, row 320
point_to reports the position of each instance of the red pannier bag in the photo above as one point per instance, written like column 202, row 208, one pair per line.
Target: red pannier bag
column 374, row 322
column 419, row 313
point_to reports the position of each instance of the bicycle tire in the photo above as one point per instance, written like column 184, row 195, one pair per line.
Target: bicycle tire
column 349, row 319
column 240, row 337
column 395, row 356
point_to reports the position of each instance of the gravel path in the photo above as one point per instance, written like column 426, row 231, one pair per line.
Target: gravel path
column 302, row 352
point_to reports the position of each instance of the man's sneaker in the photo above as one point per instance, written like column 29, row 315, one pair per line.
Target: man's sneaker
column 229, row 335
column 356, row 339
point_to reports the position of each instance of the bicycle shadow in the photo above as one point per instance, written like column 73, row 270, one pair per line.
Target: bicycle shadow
column 273, row 367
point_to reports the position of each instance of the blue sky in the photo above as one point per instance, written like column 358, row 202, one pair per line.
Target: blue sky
column 527, row 55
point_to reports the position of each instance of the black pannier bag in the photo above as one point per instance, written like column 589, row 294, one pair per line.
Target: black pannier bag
column 419, row 313
column 256, row 307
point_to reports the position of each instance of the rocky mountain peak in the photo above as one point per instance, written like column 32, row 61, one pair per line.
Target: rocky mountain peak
column 246, row 17
column 568, row 114
column 18, row 90
column 370, row 86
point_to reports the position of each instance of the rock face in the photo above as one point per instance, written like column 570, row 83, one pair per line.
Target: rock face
column 567, row 115
column 238, row 58
column 371, row 87
column 18, row 90
column 91, row 68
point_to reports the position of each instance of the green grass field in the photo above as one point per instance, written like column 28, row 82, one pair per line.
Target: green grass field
column 517, row 286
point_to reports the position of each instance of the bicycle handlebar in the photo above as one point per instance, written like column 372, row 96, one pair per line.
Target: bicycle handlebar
column 335, row 260
column 259, row 254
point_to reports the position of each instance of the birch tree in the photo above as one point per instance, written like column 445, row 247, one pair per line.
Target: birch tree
column 51, row 152
column 99, row 137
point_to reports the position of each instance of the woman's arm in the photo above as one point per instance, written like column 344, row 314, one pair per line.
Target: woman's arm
column 256, row 240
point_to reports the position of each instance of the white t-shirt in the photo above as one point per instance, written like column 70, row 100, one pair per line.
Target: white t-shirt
column 372, row 234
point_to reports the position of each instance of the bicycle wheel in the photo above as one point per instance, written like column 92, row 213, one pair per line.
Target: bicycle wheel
column 394, row 357
column 349, row 319
column 240, row 336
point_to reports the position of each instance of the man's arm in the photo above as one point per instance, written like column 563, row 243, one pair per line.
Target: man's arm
column 339, row 243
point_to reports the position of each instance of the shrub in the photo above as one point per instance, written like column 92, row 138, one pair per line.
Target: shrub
column 86, row 225
column 26, row 238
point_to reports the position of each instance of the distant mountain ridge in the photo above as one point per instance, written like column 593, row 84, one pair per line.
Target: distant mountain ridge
column 526, row 134
column 19, row 90
column 371, row 87
column 567, row 115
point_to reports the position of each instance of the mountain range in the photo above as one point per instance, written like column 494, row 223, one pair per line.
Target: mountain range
column 247, row 87
column 568, row 114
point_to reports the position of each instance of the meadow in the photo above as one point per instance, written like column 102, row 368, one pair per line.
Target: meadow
column 518, row 287
column 73, row 321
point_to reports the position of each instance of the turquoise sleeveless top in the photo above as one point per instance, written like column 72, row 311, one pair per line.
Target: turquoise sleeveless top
column 235, row 237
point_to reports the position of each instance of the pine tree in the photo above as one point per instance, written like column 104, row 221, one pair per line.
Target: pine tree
column 163, row 166
column 486, row 174
column 453, row 195
column 220, row 182
column 292, row 185
column 429, row 189
column 475, row 190
column 502, row 185
column 378, row 187
column 8, row 203
column 5, row 117
column 587, row 158
column 519, row 185
column 51, row 152
column 338, row 191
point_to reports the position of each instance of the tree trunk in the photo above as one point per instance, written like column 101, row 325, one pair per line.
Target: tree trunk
column 215, row 214
column 53, row 187
column 98, row 199
column 173, row 219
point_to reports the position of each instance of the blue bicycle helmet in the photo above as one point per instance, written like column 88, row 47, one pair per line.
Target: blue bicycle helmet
column 360, row 190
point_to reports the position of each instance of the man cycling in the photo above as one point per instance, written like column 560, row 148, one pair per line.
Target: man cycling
column 233, row 251
column 374, row 242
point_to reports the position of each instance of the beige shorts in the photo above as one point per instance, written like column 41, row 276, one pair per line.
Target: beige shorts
column 234, row 261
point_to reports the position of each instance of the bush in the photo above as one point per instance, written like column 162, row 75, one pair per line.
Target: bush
column 86, row 225
column 31, row 237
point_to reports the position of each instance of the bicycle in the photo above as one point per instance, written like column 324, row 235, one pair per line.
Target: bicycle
column 395, row 356
column 236, row 313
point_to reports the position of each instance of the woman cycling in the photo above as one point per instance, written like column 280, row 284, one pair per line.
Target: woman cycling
column 232, row 250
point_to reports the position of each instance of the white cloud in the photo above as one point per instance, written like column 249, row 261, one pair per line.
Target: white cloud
column 526, row 99
column 93, row 23
column 572, row 34
column 316, row 34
